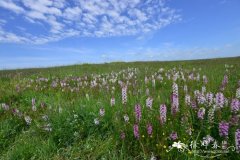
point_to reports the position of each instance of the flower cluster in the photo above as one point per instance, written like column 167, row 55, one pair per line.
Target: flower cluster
column 124, row 94
column 209, row 98
column 175, row 99
column 163, row 113
column 235, row 104
column 237, row 140
column 220, row 100
column 138, row 112
column 211, row 115
column 149, row 129
column 224, row 82
column 201, row 113
column 126, row 118
column 175, row 104
column 187, row 99
column 149, row 102
column 173, row 136
column 136, row 131
column 223, row 129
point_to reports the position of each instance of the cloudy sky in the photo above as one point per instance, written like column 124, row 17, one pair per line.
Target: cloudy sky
column 36, row 33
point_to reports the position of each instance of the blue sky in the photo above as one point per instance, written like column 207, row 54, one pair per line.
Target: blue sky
column 39, row 33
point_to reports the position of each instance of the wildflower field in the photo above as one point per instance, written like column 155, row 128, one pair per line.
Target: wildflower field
column 137, row 110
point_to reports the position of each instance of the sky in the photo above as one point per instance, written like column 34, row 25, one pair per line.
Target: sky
column 41, row 33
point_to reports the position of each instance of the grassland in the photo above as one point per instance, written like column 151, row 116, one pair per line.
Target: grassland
column 66, row 112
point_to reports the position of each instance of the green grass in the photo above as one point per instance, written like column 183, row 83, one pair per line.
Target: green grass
column 74, row 134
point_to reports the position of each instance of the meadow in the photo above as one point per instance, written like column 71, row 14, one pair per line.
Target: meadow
column 135, row 110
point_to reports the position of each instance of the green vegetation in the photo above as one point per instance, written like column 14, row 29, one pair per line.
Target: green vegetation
column 62, row 121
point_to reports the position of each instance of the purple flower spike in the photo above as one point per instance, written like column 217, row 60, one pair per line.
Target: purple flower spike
column 173, row 136
column 136, row 131
column 223, row 129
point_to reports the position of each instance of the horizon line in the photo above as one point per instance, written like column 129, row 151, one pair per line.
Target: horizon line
column 87, row 63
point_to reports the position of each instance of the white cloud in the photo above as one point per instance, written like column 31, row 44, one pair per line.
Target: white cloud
column 43, row 6
column 36, row 15
column 8, row 4
column 72, row 13
column 62, row 19
column 11, row 37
